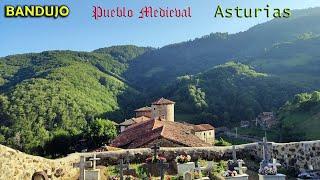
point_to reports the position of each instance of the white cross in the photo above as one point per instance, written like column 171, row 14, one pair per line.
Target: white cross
column 274, row 164
column 240, row 168
column 94, row 160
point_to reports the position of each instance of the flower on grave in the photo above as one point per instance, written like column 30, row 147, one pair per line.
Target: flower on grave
column 268, row 170
column 229, row 173
column 196, row 175
column 156, row 159
column 183, row 159
column 231, row 164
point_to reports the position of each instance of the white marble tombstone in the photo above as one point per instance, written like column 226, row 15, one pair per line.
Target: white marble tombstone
column 186, row 167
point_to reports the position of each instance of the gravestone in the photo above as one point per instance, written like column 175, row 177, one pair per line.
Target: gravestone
column 265, row 152
column 82, row 165
column 127, row 170
column 162, row 167
column 40, row 176
column 233, row 163
column 234, row 154
column 236, row 165
column 94, row 160
column 268, row 171
column 241, row 169
column 187, row 176
column 156, row 150
column 122, row 167
column 93, row 174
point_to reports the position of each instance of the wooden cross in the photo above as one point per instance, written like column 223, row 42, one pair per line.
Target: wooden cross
column 122, row 166
column 156, row 149
column 163, row 166
column 94, row 160
column 82, row 165
column 234, row 154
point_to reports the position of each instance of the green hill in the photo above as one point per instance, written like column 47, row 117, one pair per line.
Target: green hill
column 229, row 93
column 60, row 92
column 301, row 117
column 158, row 67
column 297, row 61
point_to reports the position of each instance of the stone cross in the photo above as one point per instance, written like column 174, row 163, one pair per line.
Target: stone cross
column 122, row 166
column 265, row 145
column 94, row 160
column 163, row 166
column 234, row 154
column 127, row 160
column 274, row 163
column 240, row 168
column 82, row 165
column 156, row 149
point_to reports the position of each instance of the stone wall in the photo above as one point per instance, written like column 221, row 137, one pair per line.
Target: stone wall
column 17, row 165
column 297, row 155
column 20, row 166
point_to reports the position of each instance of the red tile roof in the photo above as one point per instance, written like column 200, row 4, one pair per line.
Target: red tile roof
column 132, row 121
column 202, row 127
column 143, row 133
column 162, row 101
column 143, row 109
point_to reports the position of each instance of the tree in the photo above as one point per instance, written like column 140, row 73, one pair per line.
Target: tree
column 101, row 131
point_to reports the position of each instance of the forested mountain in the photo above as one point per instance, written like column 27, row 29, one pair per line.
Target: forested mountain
column 158, row 67
column 46, row 95
column 229, row 93
column 296, row 61
column 124, row 54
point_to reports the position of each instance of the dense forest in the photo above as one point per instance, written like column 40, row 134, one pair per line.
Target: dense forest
column 229, row 93
column 61, row 98
column 50, row 94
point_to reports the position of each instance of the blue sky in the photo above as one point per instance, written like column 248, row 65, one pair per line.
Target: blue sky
column 80, row 32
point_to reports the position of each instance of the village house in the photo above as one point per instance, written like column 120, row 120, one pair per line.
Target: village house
column 132, row 121
column 145, row 111
column 143, row 131
column 266, row 119
column 205, row 132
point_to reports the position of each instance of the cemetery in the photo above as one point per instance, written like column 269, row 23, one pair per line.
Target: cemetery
column 185, row 164
column 263, row 160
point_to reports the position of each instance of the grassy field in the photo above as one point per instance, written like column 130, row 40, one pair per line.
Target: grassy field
column 272, row 134
column 308, row 123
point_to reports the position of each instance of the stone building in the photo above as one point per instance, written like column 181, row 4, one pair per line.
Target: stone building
column 205, row 132
column 144, row 111
column 167, row 133
column 132, row 121
column 143, row 131
column 266, row 119
column 163, row 108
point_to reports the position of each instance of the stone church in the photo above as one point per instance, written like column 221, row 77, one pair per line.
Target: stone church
column 156, row 124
